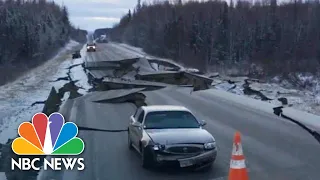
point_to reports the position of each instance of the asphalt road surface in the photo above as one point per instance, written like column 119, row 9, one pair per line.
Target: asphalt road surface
column 274, row 148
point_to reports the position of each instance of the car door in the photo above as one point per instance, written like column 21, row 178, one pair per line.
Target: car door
column 132, row 123
column 137, row 128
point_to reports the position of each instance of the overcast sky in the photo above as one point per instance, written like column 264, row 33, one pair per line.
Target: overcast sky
column 93, row 14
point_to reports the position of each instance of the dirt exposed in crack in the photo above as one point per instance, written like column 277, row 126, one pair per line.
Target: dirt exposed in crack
column 249, row 91
column 38, row 102
column 283, row 100
column 61, row 79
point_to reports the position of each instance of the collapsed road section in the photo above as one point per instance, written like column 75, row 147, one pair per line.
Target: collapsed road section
column 146, row 73
column 140, row 72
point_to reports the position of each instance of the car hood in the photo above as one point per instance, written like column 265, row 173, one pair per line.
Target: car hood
column 179, row 136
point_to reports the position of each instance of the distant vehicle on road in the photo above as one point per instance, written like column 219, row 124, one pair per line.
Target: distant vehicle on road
column 170, row 134
column 76, row 55
column 91, row 47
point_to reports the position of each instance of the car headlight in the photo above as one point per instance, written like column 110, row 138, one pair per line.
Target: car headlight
column 210, row 145
column 158, row 147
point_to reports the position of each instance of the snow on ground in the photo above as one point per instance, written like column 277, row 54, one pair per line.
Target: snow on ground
column 230, row 88
column 243, row 100
column 154, row 66
column 17, row 97
column 305, row 100
column 3, row 176
column 308, row 119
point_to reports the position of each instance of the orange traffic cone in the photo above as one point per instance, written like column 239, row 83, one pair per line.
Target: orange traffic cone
column 238, row 170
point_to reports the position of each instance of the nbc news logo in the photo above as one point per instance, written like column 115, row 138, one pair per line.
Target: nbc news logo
column 48, row 136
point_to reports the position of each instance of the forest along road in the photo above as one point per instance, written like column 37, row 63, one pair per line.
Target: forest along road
column 274, row 148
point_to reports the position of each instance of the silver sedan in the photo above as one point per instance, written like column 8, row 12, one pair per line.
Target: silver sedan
column 170, row 134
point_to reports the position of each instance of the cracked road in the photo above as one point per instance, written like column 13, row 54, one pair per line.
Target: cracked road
column 274, row 148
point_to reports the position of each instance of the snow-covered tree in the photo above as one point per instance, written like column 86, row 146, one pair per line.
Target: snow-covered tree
column 30, row 31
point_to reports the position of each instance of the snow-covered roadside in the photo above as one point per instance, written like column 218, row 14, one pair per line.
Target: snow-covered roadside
column 17, row 97
column 3, row 176
column 305, row 100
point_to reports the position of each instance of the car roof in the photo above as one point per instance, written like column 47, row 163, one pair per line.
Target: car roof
column 154, row 108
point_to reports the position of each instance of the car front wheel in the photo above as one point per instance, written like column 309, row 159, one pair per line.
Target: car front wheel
column 146, row 158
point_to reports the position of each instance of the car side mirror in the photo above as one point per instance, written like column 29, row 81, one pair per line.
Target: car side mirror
column 203, row 123
column 136, row 124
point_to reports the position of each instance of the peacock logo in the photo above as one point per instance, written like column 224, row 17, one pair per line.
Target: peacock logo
column 48, row 136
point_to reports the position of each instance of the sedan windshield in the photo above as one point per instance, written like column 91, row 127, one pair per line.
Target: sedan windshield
column 170, row 119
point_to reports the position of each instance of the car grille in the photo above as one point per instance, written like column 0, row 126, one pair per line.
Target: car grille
column 184, row 149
